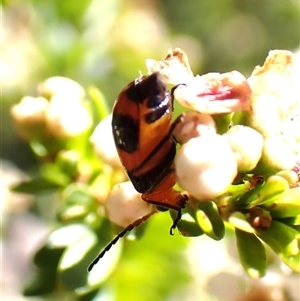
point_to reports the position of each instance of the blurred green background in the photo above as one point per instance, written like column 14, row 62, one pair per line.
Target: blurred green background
column 105, row 43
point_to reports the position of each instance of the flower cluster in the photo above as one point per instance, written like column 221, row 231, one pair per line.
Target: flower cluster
column 260, row 114
column 59, row 112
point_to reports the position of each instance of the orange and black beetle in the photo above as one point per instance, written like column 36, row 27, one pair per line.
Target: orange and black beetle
column 142, row 129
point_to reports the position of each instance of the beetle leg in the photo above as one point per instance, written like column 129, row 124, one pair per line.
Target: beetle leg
column 175, row 222
column 168, row 199
column 183, row 201
column 135, row 224
column 172, row 94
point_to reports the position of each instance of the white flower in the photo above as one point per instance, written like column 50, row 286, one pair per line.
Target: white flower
column 61, row 85
column 212, row 93
column 66, row 118
column 205, row 166
column 215, row 93
column 29, row 117
column 124, row 205
column 103, row 143
column 276, row 110
column 247, row 145
column 277, row 154
column 60, row 111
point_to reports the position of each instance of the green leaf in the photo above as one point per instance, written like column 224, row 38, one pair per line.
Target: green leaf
column 274, row 186
column 252, row 253
column 77, row 251
column 240, row 221
column 68, row 235
column 291, row 261
column 47, row 257
column 52, row 173
column 77, row 202
column 291, row 221
column 43, row 282
column 34, row 186
column 88, row 294
column 209, row 220
column 82, row 247
column 284, row 205
column 187, row 225
column 283, row 239
column 248, row 197
column 72, row 267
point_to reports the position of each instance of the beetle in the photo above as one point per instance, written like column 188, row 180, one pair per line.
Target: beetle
column 142, row 129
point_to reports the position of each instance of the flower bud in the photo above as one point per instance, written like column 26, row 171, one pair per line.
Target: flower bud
column 205, row 166
column 246, row 144
column 277, row 155
column 103, row 143
column 124, row 205
column 265, row 116
column 66, row 118
column 215, row 93
column 60, row 85
column 29, row 117
column 192, row 125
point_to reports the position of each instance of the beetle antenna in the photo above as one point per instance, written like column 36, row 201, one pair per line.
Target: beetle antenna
column 135, row 224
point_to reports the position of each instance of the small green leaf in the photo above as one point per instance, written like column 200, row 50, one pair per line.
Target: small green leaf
column 88, row 293
column 240, row 221
column 291, row 261
column 44, row 282
column 248, row 197
column 252, row 253
column 67, row 161
column 38, row 149
column 274, row 186
column 34, row 186
column 77, row 202
column 187, row 225
column 68, row 235
column 76, row 251
column 72, row 267
column 53, row 174
column 284, row 205
column 283, row 239
column 209, row 220
column 291, row 221
column 48, row 257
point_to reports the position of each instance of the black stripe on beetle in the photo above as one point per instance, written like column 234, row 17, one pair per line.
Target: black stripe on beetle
column 133, row 94
column 151, row 89
column 144, row 182
column 126, row 132
column 156, row 114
